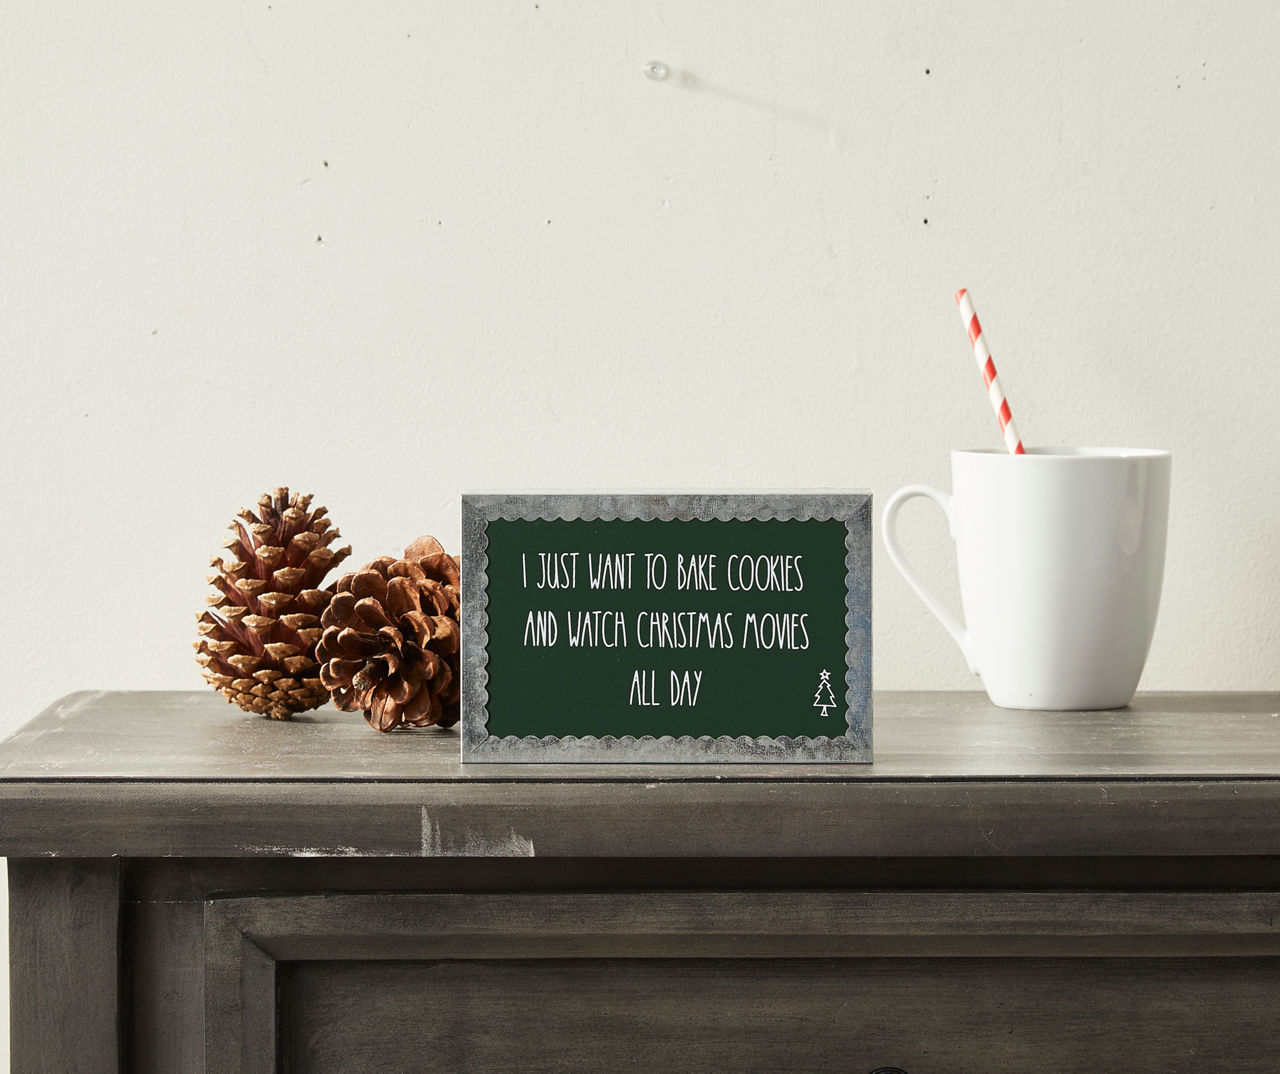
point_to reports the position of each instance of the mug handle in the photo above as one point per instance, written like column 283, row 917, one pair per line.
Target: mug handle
column 889, row 533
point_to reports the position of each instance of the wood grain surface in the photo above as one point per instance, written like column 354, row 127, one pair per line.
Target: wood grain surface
column 64, row 928
column 196, row 735
column 194, row 889
column 936, row 1016
column 163, row 774
column 680, row 981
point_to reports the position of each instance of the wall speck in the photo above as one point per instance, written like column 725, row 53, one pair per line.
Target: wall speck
column 926, row 221
column 548, row 223
column 319, row 239
column 325, row 163
column 927, row 71
column 156, row 331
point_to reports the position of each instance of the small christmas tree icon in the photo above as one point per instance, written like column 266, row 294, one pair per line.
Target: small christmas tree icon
column 824, row 699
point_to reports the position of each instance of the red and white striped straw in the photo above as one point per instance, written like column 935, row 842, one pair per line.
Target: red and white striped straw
column 994, row 392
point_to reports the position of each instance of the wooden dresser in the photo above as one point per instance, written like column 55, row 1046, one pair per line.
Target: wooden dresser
column 192, row 889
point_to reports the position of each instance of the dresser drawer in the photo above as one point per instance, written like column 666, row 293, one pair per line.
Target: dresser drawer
column 942, row 982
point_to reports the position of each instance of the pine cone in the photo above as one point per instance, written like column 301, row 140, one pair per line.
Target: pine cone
column 391, row 640
column 258, row 647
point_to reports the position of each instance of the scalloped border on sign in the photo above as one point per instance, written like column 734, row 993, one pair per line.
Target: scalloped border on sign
column 851, row 508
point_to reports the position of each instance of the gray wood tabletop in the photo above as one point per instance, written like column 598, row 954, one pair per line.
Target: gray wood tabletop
column 196, row 735
column 170, row 773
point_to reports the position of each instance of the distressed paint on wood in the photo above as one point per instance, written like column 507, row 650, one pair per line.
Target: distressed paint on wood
column 195, row 735
column 913, row 895
column 64, row 965
column 658, row 820
column 864, row 954
column 1175, row 775
column 936, row 1016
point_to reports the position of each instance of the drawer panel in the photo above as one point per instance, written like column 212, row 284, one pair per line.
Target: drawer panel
column 744, row 981
column 923, row 1016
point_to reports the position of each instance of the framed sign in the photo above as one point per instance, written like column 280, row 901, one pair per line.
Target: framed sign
column 694, row 628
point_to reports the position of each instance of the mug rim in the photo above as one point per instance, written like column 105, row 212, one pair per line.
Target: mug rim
column 1069, row 453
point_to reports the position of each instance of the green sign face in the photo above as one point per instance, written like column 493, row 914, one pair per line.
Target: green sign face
column 680, row 628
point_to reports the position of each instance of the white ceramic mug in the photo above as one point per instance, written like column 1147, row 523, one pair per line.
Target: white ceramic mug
column 1061, row 558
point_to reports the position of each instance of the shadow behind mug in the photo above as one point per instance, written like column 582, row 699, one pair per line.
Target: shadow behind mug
column 1061, row 559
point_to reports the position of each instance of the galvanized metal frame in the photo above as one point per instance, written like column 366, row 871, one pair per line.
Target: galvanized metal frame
column 852, row 508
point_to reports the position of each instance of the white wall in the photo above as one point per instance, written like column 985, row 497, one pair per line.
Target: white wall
column 388, row 255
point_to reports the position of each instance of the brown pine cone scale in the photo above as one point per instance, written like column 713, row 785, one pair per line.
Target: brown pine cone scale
column 391, row 642
column 257, row 641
